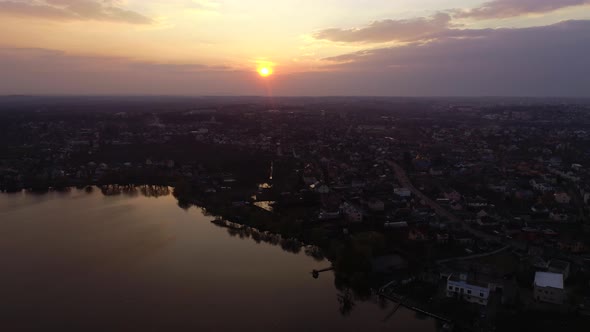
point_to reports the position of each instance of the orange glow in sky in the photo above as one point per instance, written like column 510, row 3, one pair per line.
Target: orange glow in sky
column 210, row 47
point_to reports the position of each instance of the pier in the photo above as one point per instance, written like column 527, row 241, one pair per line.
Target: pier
column 399, row 300
column 395, row 309
column 316, row 273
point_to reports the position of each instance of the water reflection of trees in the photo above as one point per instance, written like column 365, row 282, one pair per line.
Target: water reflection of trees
column 351, row 284
column 287, row 244
column 346, row 302
column 135, row 190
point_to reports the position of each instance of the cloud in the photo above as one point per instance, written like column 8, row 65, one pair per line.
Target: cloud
column 389, row 30
column 73, row 10
column 440, row 24
column 537, row 61
column 511, row 8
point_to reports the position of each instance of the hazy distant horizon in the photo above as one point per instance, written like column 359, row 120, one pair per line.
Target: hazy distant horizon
column 285, row 96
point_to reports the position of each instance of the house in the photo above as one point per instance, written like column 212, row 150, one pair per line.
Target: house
column 565, row 175
column 396, row 225
column 562, row 197
column 456, row 206
column 470, row 290
column 548, row 287
column 487, row 221
column 309, row 180
column 436, row 172
column 497, row 188
column 482, row 214
column 323, row 189
column 402, row 192
column 538, row 263
column 560, row 267
column 442, row 238
column 452, row 195
column 575, row 247
column 464, row 239
column 558, row 216
column 376, row 205
column 539, row 209
column 352, row 213
column 477, row 203
column 325, row 215
column 541, row 186
column 416, row 235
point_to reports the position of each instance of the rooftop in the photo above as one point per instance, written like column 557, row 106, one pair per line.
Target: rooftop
column 547, row 279
column 558, row 264
column 468, row 279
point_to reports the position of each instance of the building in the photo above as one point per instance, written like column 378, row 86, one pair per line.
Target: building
column 541, row 186
column 376, row 205
column 397, row 225
column 548, row 287
column 560, row 267
column 452, row 195
column 323, row 189
column 352, row 213
column 470, row 290
column 403, row 192
column 562, row 197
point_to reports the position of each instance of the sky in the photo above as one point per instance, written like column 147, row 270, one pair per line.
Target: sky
column 314, row 47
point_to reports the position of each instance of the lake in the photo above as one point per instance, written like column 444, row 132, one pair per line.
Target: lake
column 84, row 261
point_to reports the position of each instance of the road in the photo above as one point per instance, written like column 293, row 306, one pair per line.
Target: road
column 404, row 180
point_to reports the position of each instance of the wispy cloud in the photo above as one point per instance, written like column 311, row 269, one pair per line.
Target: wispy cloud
column 511, row 8
column 72, row 10
column 389, row 30
column 441, row 24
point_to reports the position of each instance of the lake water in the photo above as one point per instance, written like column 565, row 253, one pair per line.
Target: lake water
column 81, row 261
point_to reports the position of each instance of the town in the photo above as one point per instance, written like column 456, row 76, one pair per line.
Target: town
column 474, row 210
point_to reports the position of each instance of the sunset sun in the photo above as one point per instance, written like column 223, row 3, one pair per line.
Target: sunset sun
column 265, row 71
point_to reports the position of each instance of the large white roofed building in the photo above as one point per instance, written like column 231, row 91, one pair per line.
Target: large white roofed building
column 549, row 287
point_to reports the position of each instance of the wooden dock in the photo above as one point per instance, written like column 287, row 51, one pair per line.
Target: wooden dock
column 400, row 302
column 316, row 273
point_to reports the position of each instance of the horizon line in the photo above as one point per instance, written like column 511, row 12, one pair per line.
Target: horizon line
column 288, row 96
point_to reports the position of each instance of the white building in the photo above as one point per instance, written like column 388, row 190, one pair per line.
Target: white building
column 541, row 186
column 459, row 285
column 402, row 192
column 549, row 287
